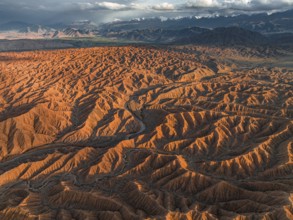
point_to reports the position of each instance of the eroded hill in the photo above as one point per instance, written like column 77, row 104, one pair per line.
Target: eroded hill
column 136, row 132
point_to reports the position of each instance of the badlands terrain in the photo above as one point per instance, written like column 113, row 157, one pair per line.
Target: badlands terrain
column 179, row 132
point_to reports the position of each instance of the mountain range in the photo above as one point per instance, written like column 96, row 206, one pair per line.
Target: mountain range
column 21, row 30
column 263, row 23
column 258, row 29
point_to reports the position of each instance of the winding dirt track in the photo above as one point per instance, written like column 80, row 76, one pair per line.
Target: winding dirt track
column 145, row 133
column 141, row 123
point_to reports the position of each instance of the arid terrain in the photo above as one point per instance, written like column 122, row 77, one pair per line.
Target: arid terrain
column 179, row 132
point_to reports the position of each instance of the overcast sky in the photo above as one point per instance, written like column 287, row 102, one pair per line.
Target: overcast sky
column 58, row 11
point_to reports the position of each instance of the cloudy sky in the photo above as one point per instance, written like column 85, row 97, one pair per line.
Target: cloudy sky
column 55, row 11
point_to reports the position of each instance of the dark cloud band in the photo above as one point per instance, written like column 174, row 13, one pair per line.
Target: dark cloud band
column 52, row 11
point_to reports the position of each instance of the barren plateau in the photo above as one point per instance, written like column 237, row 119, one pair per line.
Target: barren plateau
column 179, row 132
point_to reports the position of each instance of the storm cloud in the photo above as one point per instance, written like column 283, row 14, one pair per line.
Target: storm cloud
column 55, row 11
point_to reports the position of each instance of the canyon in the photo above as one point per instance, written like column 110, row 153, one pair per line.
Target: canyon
column 146, row 132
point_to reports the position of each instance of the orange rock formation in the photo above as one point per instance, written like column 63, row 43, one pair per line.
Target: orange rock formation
column 136, row 132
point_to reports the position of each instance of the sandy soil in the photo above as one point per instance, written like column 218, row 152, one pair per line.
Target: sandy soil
column 137, row 132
